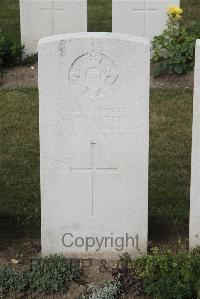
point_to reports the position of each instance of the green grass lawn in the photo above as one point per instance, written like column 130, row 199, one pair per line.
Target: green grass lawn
column 19, row 156
column 191, row 14
column 170, row 145
column 10, row 19
column 170, row 155
column 99, row 15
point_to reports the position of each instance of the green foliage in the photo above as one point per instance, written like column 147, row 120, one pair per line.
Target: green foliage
column 30, row 60
column 46, row 275
column 194, row 28
column 173, row 50
column 10, row 53
column 49, row 275
column 8, row 280
column 169, row 276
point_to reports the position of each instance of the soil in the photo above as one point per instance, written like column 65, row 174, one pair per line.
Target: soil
column 20, row 76
column 27, row 76
column 173, row 81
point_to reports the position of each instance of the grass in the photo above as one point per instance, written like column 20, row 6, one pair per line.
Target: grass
column 100, row 15
column 19, row 156
column 191, row 16
column 170, row 155
column 170, row 144
column 10, row 19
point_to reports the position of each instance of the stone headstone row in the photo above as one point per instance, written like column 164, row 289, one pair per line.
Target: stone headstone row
column 41, row 18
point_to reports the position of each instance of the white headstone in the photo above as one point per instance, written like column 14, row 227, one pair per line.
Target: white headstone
column 195, row 171
column 146, row 18
column 94, row 132
column 42, row 18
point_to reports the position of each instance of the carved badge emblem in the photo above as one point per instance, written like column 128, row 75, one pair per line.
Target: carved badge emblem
column 93, row 75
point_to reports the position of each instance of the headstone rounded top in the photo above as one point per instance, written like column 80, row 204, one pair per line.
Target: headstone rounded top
column 198, row 42
column 94, row 35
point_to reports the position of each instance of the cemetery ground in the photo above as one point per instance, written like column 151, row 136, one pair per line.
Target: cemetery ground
column 169, row 170
column 169, row 160
column 169, row 174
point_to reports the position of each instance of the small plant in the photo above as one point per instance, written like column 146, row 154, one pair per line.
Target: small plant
column 170, row 276
column 10, row 53
column 127, row 277
column 8, row 280
column 49, row 275
column 110, row 290
column 173, row 50
column 30, row 60
column 46, row 275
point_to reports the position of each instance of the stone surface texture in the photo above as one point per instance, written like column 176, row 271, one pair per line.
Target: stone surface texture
column 94, row 139
column 146, row 18
column 42, row 18
column 195, row 171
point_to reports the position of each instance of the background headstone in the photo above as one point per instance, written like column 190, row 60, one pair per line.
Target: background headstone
column 41, row 18
column 195, row 171
column 146, row 18
column 94, row 139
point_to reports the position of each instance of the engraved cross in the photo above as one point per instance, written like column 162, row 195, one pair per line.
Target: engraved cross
column 93, row 170
column 52, row 11
column 145, row 10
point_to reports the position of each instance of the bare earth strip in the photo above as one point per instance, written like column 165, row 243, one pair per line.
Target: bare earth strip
column 27, row 76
